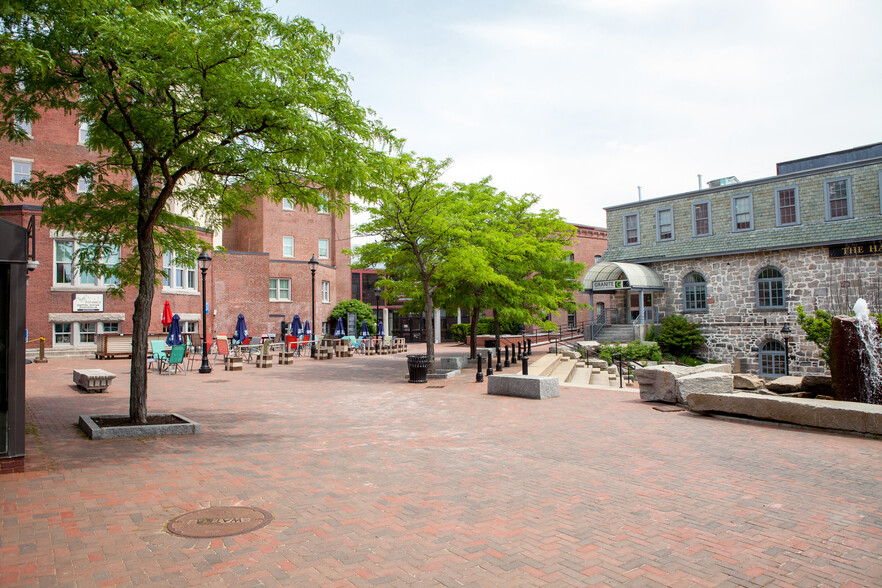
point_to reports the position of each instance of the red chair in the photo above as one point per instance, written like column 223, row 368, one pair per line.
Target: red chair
column 291, row 343
column 223, row 348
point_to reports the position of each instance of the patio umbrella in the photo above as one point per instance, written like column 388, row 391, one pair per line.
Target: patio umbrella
column 296, row 327
column 380, row 332
column 365, row 332
column 307, row 329
column 174, row 332
column 166, row 314
column 339, row 331
column 241, row 332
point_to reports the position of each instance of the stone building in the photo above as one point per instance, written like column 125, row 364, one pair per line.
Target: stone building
column 738, row 258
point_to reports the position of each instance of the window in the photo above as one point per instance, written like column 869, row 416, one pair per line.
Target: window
column 65, row 251
column 83, row 135
column 179, row 275
column 322, row 209
column 771, row 359
column 110, row 327
column 326, row 291
column 87, row 332
column 287, row 204
column 280, row 289
column 83, row 185
column 694, row 293
column 24, row 126
column 838, row 197
column 571, row 258
column 786, row 206
column 571, row 320
column 664, row 221
column 597, row 259
column 701, row 220
column 742, row 213
column 21, row 170
column 287, row 246
column 62, row 333
column 189, row 326
column 64, row 262
column 632, row 229
column 323, row 249
column 770, row 289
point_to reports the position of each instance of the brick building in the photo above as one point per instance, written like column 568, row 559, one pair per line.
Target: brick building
column 739, row 257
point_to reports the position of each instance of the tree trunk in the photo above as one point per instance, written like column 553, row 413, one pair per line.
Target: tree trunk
column 141, row 327
column 430, row 326
column 473, row 326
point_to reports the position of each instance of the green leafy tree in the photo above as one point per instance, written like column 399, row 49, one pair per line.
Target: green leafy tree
column 362, row 311
column 678, row 336
column 214, row 103
column 818, row 328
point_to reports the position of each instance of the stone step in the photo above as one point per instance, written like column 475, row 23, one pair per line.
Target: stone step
column 544, row 365
column 563, row 371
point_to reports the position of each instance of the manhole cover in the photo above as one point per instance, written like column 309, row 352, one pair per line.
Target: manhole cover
column 219, row 521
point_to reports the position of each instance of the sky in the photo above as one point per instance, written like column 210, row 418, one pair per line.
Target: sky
column 582, row 101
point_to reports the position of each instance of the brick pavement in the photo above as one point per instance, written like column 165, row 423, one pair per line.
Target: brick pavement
column 376, row 482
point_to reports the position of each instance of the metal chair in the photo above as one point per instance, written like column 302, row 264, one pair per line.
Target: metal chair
column 175, row 359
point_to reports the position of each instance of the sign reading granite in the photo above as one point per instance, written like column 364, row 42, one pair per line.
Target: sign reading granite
column 88, row 303
column 856, row 249
column 611, row 285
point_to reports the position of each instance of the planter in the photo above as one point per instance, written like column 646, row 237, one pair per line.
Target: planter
column 417, row 368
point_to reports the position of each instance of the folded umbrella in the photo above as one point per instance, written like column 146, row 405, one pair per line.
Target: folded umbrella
column 296, row 327
column 339, row 331
column 241, row 332
column 166, row 314
column 365, row 332
column 175, row 337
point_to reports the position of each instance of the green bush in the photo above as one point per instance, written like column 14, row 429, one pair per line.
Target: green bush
column 817, row 329
column 363, row 311
column 633, row 351
column 460, row 332
column 486, row 326
column 678, row 336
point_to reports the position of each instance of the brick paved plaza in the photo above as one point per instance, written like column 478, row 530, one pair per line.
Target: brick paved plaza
column 372, row 481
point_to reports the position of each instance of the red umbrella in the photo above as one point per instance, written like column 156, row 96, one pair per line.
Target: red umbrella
column 166, row 314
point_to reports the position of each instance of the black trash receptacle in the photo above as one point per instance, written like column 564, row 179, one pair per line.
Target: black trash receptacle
column 417, row 368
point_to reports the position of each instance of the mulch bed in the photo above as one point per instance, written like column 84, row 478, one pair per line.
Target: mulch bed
column 153, row 419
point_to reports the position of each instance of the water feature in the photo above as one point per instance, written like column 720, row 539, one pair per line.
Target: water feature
column 856, row 356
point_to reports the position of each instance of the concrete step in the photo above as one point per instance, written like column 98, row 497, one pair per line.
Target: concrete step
column 599, row 378
column 615, row 333
column 563, row 371
column 544, row 365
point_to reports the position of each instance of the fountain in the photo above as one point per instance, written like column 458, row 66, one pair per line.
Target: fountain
column 856, row 356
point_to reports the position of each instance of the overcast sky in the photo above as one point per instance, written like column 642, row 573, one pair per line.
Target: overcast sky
column 581, row 101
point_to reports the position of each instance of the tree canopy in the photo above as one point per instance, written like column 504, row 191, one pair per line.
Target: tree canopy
column 212, row 103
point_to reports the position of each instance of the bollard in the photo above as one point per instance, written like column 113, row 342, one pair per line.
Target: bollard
column 479, row 377
column 524, row 367
column 520, row 353
column 42, row 357
column 498, row 359
column 506, row 364
column 489, row 364
column 529, row 348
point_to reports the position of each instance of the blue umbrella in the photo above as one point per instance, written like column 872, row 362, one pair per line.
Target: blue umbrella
column 307, row 329
column 365, row 332
column 296, row 327
column 339, row 332
column 380, row 332
column 174, row 332
column 241, row 332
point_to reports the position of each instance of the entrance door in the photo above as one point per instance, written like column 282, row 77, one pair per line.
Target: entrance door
column 635, row 303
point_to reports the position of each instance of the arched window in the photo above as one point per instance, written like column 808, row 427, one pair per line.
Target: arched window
column 694, row 293
column 770, row 289
column 771, row 359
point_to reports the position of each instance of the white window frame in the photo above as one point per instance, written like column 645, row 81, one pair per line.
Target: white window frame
column 25, row 126
column 326, row 292
column 625, row 229
column 83, row 133
column 710, row 229
column 778, row 222
column 83, row 185
column 849, row 203
column 56, row 333
column 178, row 273
column 658, row 224
column 86, row 332
column 322, row 209
column 287, row 204
column 76, row 278
column 21, row 174
column 286, row 247
column 276, row 289
column 111, row 327
column 327, row 243
column 749, row 199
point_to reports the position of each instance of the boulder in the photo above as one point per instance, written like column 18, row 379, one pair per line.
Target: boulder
column 597, row 363
column 747, row 382
column 818, row 384
column 589, row 346
column 658, row 383
column 785, row 384
column 703, row 383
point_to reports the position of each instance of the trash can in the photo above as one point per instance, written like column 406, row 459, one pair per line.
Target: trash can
column 417, row 368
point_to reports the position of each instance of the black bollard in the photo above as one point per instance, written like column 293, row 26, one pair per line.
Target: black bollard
column 529, row 348
column 489, row 364
column 524, row 367
column 520, row 353
column 479, row 377
column 498, row 359
column 506, row 364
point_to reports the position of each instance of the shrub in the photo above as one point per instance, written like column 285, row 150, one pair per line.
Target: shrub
column 817, row 329
column 460, row 332
column 633, row 351
column 363, row 311
column 486, row 326
column 678, row 336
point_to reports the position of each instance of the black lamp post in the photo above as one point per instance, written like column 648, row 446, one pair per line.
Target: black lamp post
column 377, row 296
column 785, row 334
column 313, row 264
column 204, row 260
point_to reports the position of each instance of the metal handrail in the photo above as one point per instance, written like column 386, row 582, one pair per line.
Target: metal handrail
column 650, row 315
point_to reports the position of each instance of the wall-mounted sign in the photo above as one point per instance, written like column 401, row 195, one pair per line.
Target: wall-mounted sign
column 611, row 285
column 856, row 249
column 88, row 302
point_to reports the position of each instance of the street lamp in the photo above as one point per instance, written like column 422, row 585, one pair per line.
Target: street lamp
column 377, row 295
column 204, row 260
column 785, row 334
column 313, row 264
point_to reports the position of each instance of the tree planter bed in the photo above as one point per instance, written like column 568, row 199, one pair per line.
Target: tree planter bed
column 115, row 426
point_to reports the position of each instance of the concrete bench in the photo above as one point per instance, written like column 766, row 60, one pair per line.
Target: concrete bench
column 537, row 387
column 232, row 364
column 93, row 380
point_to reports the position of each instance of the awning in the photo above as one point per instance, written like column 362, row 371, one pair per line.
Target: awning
column 610, row 276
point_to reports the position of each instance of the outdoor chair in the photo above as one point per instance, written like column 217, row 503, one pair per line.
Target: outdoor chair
column 357, row 345
column 157, row 354
column 175, row 359
column 222, row 349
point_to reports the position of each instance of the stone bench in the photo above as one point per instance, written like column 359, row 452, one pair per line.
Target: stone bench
column 93, row 380
column 232, row 363
column 286, row 357
column 537, row 387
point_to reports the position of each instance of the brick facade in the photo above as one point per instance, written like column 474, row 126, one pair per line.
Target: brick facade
column 589, row 244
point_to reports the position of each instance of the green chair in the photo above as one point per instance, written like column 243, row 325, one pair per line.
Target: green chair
column 175, row 359
column 157, row 354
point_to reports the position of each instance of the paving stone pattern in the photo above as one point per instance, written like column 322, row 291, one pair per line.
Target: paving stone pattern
column 376, row 482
